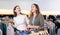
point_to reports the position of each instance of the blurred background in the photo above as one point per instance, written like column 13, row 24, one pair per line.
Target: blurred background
column 46, row 6
column 50, row 9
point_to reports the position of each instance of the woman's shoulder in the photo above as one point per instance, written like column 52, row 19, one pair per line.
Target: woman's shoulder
column 24, row 16
column 40, row 15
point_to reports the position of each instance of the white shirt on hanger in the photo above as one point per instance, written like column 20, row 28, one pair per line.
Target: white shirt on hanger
column 10, row 30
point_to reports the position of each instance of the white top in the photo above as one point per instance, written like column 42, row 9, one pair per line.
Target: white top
column 20, row 22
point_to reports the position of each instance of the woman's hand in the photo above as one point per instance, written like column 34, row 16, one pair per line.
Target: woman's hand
column 33, row 27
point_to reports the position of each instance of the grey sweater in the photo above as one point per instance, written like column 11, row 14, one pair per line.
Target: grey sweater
column 38, row 21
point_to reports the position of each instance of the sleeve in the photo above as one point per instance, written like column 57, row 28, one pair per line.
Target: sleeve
column 27, row 20
column 14, row 22
column 41, row 21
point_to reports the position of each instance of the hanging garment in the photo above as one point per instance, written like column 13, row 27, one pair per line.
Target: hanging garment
column 10, row 30
column 0, row 28
column 4, row 28
column 58, row 32
column 0, row 32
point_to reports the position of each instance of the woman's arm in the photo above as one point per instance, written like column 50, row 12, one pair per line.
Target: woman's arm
column 33, row 27
column 41, row 21
column 29, row 25
column 12, row 23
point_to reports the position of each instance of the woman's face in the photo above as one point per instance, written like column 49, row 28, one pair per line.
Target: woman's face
column 33, row 8
column 18, row 10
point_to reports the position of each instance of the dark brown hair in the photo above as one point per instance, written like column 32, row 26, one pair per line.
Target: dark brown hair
column 37, row 11
column 15, row 14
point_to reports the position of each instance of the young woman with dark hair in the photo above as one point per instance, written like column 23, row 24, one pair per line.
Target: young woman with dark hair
column 36, row 19
column 20, row 21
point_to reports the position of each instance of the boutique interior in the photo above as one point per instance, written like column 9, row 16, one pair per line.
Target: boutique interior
column 49, row 9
